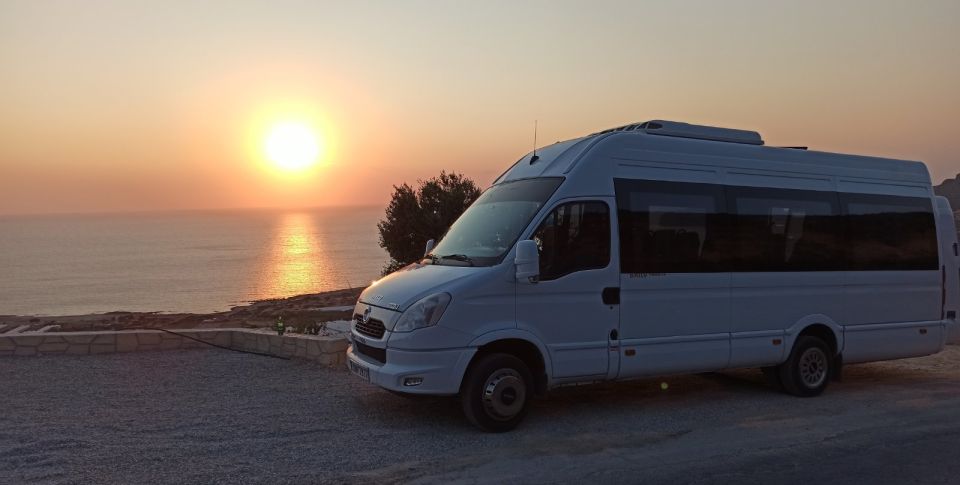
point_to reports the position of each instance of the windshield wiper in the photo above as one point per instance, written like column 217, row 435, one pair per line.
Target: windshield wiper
column 459, row 257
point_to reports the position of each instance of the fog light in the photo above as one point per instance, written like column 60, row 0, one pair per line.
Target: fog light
column 412, row 381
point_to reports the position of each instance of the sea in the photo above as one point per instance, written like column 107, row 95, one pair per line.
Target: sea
column 182, row 261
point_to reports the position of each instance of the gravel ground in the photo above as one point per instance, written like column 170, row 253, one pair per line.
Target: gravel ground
column 209, row 416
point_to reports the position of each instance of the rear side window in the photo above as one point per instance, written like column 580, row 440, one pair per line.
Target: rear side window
column 890, row 233
column 574, row 237
column 671, row 227
column 786, row 230
column 676, row 227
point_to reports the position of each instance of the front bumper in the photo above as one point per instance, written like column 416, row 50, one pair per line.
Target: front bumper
column 441, row 371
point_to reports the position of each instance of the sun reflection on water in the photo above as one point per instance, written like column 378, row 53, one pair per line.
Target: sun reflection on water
column 296, row 259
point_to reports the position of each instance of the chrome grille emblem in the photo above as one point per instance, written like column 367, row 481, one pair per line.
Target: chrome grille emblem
column 366, row 315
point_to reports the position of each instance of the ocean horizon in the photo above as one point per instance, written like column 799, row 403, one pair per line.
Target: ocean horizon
column 182, row 261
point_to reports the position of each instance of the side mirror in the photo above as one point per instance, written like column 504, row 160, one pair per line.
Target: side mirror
column 429, row 247
column 527, row 261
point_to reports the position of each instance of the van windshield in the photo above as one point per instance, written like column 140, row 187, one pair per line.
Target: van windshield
column 492, row 224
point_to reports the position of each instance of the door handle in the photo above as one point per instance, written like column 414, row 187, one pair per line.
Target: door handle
column 614, row 334
column 611, row 295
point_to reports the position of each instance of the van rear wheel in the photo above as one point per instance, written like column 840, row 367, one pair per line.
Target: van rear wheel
column 807, row 371
column 496, row 392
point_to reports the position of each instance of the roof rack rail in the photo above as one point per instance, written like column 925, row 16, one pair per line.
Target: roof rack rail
column 686, row 130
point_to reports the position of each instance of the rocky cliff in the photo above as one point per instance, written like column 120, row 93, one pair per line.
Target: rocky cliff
column 950, row 188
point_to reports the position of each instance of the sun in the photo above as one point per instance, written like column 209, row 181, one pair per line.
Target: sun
column 292, row 145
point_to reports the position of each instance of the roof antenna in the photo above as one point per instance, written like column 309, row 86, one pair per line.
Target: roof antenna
column 534, row 158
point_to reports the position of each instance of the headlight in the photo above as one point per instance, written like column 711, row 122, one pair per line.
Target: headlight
column 423, row 313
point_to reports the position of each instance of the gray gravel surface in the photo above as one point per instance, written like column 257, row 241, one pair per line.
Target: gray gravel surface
column 209, row 416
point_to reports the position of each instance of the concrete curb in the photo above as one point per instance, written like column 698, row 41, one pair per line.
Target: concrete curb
column 324, row 350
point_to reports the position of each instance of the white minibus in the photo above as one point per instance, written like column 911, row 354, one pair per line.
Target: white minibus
column 662, row 248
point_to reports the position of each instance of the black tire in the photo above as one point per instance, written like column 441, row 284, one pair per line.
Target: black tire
column 807, row 371
column 496, row 392
column 771, row 375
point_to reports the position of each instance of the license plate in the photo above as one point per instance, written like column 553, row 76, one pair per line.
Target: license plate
column 359, row 370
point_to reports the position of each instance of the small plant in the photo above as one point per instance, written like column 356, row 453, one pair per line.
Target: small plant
column 317, row 328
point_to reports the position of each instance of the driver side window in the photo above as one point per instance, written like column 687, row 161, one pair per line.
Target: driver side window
column 574, row 237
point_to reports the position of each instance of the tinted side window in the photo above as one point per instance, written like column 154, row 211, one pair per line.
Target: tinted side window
column 574, row 237
column 786, row 230
column 671, row 227
column 890, row 233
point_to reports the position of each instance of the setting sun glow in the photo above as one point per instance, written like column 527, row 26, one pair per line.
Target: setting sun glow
column 292, row 146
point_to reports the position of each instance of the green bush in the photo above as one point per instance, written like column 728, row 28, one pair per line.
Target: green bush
column 415, row 216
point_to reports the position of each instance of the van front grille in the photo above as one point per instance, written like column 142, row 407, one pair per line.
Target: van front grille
column 371, row 328
column 379, row 355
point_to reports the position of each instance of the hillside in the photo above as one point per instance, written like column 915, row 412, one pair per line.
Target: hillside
column 950, row 188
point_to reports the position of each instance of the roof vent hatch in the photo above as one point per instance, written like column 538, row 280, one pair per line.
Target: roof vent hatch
column 686, row 130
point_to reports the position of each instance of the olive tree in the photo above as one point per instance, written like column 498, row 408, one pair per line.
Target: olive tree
column 415, row 216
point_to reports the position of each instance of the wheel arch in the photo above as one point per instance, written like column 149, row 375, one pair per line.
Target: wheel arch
column 820, row 326
column 521, row 344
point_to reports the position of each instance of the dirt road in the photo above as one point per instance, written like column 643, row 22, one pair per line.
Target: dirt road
column 212, row 416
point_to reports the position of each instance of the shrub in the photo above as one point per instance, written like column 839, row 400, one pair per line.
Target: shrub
column 415, row 216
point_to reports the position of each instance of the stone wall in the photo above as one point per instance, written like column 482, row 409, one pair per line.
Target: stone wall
column 321, row 349
column 330, row 350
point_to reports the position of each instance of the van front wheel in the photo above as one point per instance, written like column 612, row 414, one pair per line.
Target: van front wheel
column 807, row 372
column 496, row 392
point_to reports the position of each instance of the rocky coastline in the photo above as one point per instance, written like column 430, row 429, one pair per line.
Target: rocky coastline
column 297, row 312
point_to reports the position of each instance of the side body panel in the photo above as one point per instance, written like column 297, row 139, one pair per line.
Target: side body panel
column 568, row 313
column 706, row 321
column 674, row 323
column 890, row 314
column 670, row 322
column 766, row 305
column 950, row 254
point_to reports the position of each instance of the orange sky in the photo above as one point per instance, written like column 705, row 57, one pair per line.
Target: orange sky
column 117, row 106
